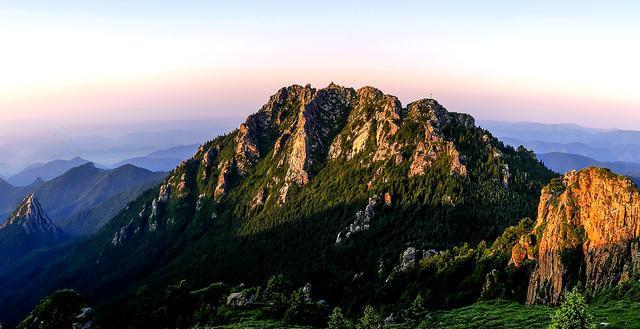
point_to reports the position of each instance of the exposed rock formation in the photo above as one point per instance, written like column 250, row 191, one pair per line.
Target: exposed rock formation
column 84, row 319
column 320, row 116
column 587, row 229
column 524, row 249
column 491, row 281
column 374, row 113
column 28, row 228
column 433, row 117
column 247, row 153
column 31, row 218
column 300, row 128
column 241, row 299
column 158, row 203
column 362, row 222
column 122, row 235
column 410, row 258
column 306, row 292
column 223, row 180
column 165, row 193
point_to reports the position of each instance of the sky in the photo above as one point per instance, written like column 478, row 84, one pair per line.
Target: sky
column 84, row 62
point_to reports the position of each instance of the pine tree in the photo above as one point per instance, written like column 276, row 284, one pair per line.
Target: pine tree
column 276, row 295
column 573, row 314
column 295, row 312
column 417, row 312
column 338, row 321
column 370, row 319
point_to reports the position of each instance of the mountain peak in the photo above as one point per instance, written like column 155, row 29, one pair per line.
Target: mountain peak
column 301, row 129
column 30, row 215
column 87, row 165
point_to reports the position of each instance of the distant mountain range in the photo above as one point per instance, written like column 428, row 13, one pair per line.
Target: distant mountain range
column 559, row 133
column 81, row 189
column 563, row 162
column 599, row 144
column 44, row 171
column 104, row 143
column 160, row 160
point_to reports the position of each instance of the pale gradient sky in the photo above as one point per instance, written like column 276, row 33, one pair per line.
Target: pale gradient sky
column 85, row 61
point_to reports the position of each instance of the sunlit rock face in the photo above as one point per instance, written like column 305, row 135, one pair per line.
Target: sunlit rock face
column 587, row 231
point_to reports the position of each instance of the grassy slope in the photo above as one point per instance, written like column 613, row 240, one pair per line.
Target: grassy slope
column 492, row 314
column 252, row 319
column 504, row 314
column 257, row 324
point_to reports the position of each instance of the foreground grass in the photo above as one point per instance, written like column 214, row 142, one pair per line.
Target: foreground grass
column 257, row 324
column 489, row 314
column 493, row 314
column 251, row 319
column 504, row 314
column 619, row 314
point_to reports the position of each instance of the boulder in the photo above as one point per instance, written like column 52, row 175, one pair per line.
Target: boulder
column 242, row 299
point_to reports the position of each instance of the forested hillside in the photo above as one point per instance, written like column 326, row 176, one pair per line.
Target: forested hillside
column 340, row 188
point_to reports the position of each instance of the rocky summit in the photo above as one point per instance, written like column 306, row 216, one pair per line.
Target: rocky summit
column 31, row 218
column 300, row 128
column 26, row 229
column 586, row 232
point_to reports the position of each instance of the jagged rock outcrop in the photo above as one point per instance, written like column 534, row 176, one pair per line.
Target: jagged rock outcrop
column 28, row 228
column 165, row 193
column 307, row 140
column 122, row 235
column 301, row 128
column 31, row 218
column 433, row 118
column 247, row 153
column 363, row 218
column 373, row 113
column 306, row 292
column 491, row 281
column 222, row 186
column 587, row 229
column 411, row 257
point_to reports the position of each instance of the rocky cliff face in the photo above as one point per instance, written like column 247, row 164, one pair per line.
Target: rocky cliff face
column 587, row 231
